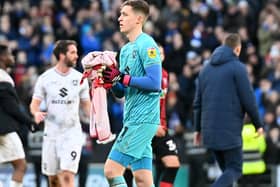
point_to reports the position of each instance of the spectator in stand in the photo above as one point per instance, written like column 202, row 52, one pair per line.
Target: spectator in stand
column 268, row 30
column 271, row 156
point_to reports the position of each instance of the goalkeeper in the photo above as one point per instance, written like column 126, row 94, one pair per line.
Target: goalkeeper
column 164, row 147
column 138, row 79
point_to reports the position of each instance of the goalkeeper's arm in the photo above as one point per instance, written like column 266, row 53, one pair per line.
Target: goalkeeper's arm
column 118, row 90
column 151, row 81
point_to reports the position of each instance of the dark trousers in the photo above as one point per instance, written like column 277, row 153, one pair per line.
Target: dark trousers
column 230, row 162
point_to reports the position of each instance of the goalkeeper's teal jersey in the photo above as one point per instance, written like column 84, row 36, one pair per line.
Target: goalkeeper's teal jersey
column 140, row 106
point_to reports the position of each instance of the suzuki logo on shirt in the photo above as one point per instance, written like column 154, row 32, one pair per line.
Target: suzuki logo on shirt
column 63, row 92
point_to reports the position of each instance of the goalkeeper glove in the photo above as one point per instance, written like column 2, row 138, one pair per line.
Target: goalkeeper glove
column 112, row 74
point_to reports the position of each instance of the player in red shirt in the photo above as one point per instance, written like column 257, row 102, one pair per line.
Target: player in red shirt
column 164, row 148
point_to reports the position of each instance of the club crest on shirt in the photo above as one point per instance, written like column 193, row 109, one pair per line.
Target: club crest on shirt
column 134, row 54
column 152, row 52
column 75, row 82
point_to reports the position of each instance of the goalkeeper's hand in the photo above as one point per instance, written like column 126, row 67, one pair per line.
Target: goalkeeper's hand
column 112, row 75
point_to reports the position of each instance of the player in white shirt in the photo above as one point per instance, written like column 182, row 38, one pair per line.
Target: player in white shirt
column 59, row 87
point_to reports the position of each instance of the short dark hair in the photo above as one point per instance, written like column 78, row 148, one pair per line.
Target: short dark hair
column 138, row 5
column 61, row 46
column 232, row 40
column 3, row 49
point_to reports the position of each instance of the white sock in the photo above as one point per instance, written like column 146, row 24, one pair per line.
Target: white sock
column 15, row 184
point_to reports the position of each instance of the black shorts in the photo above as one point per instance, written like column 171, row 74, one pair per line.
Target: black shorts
column 164, row 146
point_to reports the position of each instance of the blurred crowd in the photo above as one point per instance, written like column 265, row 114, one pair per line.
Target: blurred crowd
column 189, row 30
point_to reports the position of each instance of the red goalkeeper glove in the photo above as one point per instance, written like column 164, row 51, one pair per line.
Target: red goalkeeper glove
column 112, row 75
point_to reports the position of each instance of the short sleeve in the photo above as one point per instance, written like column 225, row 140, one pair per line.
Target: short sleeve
column 39, row 91
column 84, row 93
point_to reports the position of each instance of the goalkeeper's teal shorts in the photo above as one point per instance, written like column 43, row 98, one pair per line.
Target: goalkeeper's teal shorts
column 127, row 160
column 135, row 140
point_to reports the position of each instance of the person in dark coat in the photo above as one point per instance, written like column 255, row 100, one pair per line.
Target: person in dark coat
column 11, row 148
column 223, row 96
